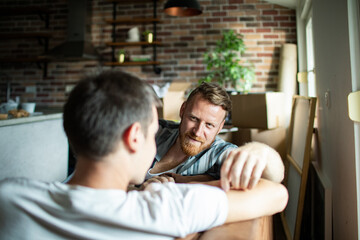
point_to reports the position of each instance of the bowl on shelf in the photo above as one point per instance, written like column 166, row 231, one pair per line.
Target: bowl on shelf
column 6, row 107
column 29, row 107
column 140, row 58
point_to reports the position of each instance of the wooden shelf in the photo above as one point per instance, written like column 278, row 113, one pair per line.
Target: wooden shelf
column 42, row 37
column 25, row 35
column 131, row 1
column 127, row 44
column 132, row 20
column 23, row 60
column 23, row 11
column 139, row 63
column 41, row 62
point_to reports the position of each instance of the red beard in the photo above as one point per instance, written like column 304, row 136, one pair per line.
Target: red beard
column 188, row 147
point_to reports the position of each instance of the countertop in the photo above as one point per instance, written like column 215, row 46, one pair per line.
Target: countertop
column 41, row 114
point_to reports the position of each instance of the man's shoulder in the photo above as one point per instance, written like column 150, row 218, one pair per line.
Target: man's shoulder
column 221, row 143
column 168, row 124
column 14, row 188
column 167, row 130
column 217, row 150
column 19, row 187
column 10, row 183
column 19, row 183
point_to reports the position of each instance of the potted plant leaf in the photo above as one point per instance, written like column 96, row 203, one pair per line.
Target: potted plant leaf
column 148, row 36
column 121, row 56
column 225, row 66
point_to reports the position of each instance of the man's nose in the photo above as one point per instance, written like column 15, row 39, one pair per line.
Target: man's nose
column 198, row 129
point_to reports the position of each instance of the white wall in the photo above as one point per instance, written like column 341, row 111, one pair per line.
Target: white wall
column 336, row 131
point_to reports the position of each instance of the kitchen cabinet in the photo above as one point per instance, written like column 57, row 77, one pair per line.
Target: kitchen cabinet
column 115, row 44
column 42, row 37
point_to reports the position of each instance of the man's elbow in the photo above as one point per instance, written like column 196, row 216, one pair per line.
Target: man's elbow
column 281, row 173
column 280, row 176
column 276, row 175
column 283, row 197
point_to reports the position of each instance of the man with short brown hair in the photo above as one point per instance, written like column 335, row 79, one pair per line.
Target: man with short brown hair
column 192, row 151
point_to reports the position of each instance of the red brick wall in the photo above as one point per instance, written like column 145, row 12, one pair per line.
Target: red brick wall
column 264, row 26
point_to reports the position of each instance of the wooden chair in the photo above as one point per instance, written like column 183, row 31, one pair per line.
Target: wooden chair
column 297, row 162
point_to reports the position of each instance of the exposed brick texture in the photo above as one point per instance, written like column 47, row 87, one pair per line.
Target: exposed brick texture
column 264, row 27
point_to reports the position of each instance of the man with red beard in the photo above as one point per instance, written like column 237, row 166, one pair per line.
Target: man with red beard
column 192, row 152
column 111, row 121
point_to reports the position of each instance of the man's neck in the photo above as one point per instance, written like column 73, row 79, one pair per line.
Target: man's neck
column 99, row 175
column 173, row 158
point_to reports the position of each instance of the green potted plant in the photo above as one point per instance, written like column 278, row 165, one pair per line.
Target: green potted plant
column 224, row 64
column 148, row 36
column 121, row 56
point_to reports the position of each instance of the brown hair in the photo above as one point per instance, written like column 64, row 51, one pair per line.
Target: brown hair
column 213, row 93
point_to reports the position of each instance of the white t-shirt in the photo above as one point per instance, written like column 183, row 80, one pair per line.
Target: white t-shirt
column 37, row 210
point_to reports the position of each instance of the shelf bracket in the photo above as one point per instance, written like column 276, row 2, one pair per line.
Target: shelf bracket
column 45, row 18
column 155, row 64
column 156, row 69
column 114, row 32
column 44, row 68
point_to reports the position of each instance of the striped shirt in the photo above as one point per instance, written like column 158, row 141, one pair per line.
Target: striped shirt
column 206, row 162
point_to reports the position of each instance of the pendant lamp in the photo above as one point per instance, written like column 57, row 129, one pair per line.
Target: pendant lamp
column 182, row 8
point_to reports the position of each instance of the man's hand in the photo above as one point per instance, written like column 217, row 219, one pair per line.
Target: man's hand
column 244, row 166
column 157, row 179
column 190, row 179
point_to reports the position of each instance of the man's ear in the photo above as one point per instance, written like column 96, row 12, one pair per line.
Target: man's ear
column 182, row 109
column 132, row 137
column 221, row 126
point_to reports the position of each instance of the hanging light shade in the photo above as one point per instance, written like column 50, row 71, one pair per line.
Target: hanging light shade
column 182, row 8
